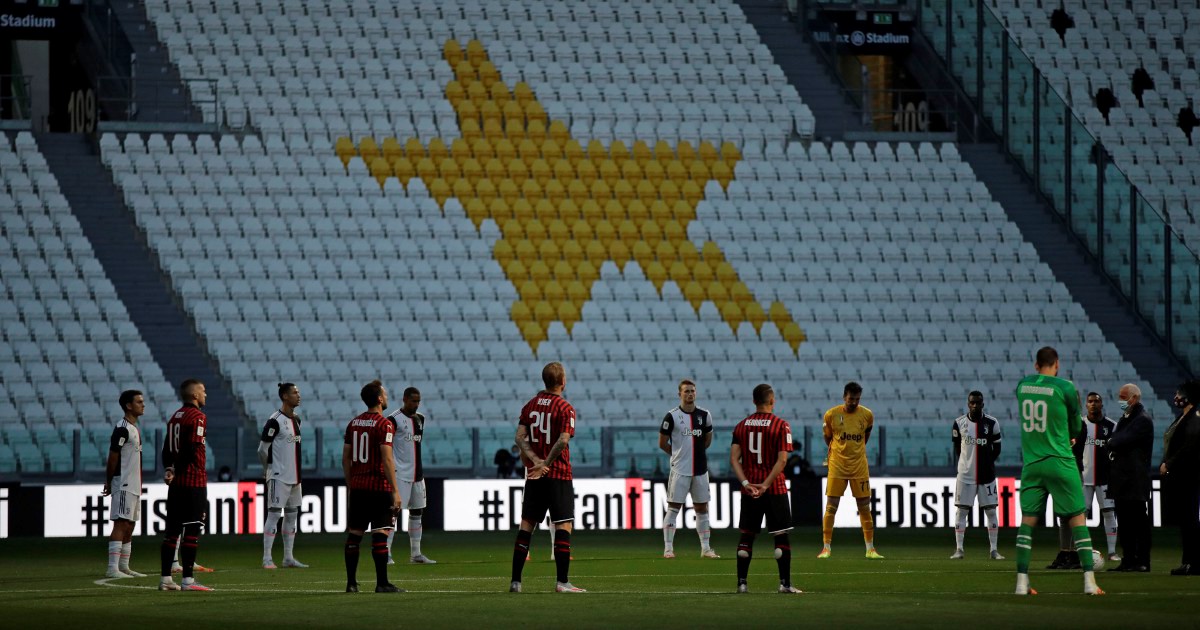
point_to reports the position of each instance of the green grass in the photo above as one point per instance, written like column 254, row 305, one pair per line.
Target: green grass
column 56, row 583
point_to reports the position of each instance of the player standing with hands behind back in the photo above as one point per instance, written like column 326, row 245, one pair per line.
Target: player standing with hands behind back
column 758, row 454
column 544, row 431
column 123, row 480
column 370, row 471
column 1049, row 411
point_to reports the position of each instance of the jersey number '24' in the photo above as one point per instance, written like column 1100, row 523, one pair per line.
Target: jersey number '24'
column 541, row 424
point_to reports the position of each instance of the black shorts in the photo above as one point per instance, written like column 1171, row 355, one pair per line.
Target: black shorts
column 369, row 510
column 186, row 505
column 776, row 507
column 555, row 495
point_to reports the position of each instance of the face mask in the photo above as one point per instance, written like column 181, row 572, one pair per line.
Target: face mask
column 1123, row 404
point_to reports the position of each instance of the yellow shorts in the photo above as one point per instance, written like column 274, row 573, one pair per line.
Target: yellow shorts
column 859, row 488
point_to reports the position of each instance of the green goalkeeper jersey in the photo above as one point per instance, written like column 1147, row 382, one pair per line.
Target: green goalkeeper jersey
column 1049, row 411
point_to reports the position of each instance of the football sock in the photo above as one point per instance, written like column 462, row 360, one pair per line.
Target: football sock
column 114, row 554
column 520, row 552
column 352, row 542
column 827, row 524
column 960, row 527
column 126, row 551
column 169, row 543
column 669, row 527
column 379, row 555
column 745, row 550
column 1064, row 536
column 391, row 535
column 783, row 557
column 290, row 521
column 1024, row 547
column 562, row 553
column 704, row 530
column 993, row 526
column 269, row 528
column 187, row 549
column 868, row 527
column 1110, row 529
column 1083, row 546
column 414, row 534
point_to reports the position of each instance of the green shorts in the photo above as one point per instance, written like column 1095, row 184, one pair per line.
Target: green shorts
column 1054, row 477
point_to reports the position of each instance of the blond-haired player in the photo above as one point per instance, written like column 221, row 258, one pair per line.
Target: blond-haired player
column 847, row 427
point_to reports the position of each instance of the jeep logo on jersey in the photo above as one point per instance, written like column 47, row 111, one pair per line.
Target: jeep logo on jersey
column 691, row 432
column 852, row 437
column 979, row 441
column 1095, row 442
column 294, row 438
column 412, row 438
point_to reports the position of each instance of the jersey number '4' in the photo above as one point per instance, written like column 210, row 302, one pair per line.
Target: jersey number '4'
column 541, row 424
column 360, row 447
column 755, row 445
column 1033, row 416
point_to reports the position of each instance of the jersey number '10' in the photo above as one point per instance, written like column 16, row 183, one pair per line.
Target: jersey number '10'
column 541, row 424
column 1033, row 416
column 360, row 447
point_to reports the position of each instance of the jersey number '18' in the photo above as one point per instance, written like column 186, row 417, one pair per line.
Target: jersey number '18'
column 176, row 429
column 1033, row 416
column 360, row 447
column 541, row 424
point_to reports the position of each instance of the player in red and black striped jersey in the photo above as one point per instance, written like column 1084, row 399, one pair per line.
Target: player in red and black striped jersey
column 761, row 443
column 544, row 431
column 183, row 456
column 370, row 472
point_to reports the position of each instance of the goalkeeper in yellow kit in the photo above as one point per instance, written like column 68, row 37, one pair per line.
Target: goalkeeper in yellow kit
column 847, row 428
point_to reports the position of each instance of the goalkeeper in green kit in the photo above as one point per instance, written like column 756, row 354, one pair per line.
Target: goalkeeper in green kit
column 1049, row 411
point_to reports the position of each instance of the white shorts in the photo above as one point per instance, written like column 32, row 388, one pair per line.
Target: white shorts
column 966, row 493
column 1101, row 495
column 126, row 506
column 412, row 494
column 281, row 495
column 679, row 486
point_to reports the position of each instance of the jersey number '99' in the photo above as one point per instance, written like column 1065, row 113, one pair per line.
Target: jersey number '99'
column 1033, row 416
column 541, row 424
column 360, row 447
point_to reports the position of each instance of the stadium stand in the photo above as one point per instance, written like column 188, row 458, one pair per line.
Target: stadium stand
column 1104, row 49
column 346, row 236
column 71, row 344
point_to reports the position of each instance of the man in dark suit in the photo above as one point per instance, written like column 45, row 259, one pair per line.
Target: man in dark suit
column 1130, row 448
column 1180, row 470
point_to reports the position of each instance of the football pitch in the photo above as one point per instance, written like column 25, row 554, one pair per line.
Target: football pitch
column 57, row 583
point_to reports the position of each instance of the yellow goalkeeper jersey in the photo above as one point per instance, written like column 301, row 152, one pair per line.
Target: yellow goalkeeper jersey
column 848, row 446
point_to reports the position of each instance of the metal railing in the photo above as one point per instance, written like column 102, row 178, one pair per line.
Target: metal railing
column 15, row 103
column 123, row 99
column 1133, row 242
column 117, row 48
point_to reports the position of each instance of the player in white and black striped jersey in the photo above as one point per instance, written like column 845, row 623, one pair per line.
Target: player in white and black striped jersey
column 123, row 481
column 1097, row 429
column 976, row 447
column 685, row 434
column 279, row 452
column 410, row 475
